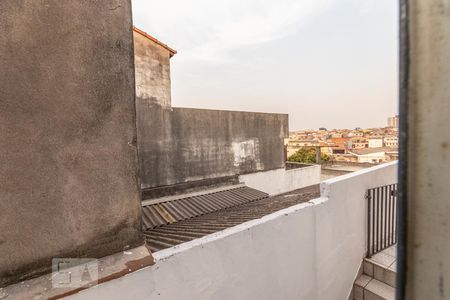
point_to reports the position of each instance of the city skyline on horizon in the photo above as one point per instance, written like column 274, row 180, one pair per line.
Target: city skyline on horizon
column 345, row 128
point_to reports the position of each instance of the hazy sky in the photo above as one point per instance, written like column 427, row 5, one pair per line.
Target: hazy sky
column 328, row 63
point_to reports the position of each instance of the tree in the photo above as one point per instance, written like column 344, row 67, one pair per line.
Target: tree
column 307, row 155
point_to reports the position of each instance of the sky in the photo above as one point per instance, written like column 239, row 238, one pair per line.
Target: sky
column 327, row 63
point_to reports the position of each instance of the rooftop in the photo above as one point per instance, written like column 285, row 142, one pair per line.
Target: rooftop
column 171, row 209
column 168, row 235
column 365, row 151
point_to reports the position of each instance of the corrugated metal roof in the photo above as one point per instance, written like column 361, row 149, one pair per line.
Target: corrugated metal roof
column 174, row 210
column 176, row 233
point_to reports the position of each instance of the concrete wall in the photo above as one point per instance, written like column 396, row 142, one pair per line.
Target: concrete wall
column 341, row 227
column 375, row 157
column 376, row 143
column 68, row 165
column 425, row 94
column 281, row 180
column 152, row 69
column 309, row 251
column 184, row 144
column 181, row 145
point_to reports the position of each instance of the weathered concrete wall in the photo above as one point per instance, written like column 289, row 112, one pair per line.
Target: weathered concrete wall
column 280, row 181
column 426, row 92
column 183, row 144
column 68, row 165
column 152, row 69
column 310, row 251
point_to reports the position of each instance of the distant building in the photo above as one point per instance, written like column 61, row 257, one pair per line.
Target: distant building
column 375, row 155
column 393, row 121
column 344, row 158
column 358, row 143
column 336, row 135
column 152, row 70
column 375, row 142
column 338, row 142
column 391, row 141
column 341, row 145
column 295, row 145
column 356, row 133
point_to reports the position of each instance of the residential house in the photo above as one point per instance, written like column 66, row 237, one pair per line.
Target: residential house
column 341, row 145
column 358, row 143
column 393, row 121
column 374, row 155
column 295, row 145
column 375, row 142
column 355, row 133
column 391, row 141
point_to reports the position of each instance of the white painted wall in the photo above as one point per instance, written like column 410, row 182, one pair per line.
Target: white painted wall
column 376, row 143
column 372, row 157
column 341, row 227
column 310, row 251
column 280, row 181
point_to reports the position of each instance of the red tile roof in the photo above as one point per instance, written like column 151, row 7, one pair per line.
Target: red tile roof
column 172, row 51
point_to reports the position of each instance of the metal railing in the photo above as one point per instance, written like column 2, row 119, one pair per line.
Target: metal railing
column 381, row 218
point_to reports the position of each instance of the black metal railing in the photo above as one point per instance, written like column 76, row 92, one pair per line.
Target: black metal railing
column 381, row 218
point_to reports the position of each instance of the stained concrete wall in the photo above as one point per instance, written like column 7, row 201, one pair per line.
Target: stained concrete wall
column 183, row 145
column 426, row 93
column 186, row 144
column 68, row 165
column 280, row 181
column 309, row 251
column 152, row 68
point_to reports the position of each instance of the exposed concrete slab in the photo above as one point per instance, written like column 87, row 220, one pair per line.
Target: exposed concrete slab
column 108, row 268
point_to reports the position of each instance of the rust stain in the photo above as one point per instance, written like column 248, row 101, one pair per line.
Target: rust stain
column 131, row 266
column 164, row 213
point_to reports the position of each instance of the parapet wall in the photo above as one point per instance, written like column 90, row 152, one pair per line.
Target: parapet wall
column 68, row 163
column 178, row 145
column 280, row 181
column 310, row 251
